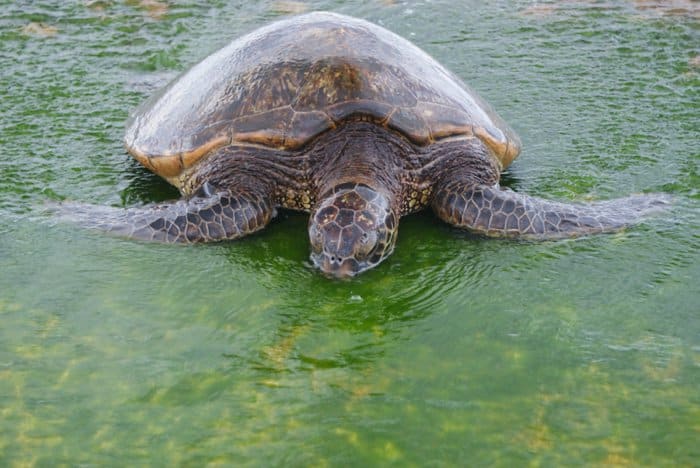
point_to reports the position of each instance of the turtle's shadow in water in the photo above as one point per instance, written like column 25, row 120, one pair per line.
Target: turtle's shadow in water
column 509, row 180
column 414, row 278
column 145, row 187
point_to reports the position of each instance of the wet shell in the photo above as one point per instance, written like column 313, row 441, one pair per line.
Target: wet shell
column 284, row 84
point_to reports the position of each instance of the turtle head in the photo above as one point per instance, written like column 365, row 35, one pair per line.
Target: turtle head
column 352, row 229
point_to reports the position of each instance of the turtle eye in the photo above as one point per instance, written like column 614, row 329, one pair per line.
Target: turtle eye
column 368, row 241
column 315, row 235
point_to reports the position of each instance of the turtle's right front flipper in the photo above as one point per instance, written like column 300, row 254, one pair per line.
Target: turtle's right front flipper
column 206, row 217
column 504, row 213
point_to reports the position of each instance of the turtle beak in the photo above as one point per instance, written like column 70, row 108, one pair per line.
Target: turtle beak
column 336, row 267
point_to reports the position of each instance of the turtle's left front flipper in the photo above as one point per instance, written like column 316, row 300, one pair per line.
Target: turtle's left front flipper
column 207, row 217
column 503, row 213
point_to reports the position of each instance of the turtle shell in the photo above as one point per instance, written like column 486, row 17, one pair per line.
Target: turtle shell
column 284, row 84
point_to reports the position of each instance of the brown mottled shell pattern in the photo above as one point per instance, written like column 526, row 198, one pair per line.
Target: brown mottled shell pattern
column 285, row 84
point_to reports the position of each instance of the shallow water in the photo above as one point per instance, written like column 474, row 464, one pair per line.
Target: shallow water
column 457, row 350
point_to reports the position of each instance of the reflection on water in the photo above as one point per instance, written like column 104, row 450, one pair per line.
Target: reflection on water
column 279, row 261
column 642, row 9
column 144, row 187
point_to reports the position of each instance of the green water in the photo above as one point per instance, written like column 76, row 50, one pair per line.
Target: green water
column 455, row 351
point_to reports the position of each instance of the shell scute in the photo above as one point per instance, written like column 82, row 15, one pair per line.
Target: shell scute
column 271, row 88
column 305, row 126
column 378, row 110
column 410, row 123
column 327, row 82
column 444, row 121
column 267, row 88
column 267, row 128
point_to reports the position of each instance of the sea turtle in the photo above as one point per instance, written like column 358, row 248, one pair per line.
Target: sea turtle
column 341, row 118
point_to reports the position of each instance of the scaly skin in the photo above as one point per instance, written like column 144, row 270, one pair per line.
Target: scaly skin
column 352, row 230
column 357, row 181
column 503, row 213
column 205, row 217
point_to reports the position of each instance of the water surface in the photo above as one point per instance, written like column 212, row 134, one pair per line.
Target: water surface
column 457, row 350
